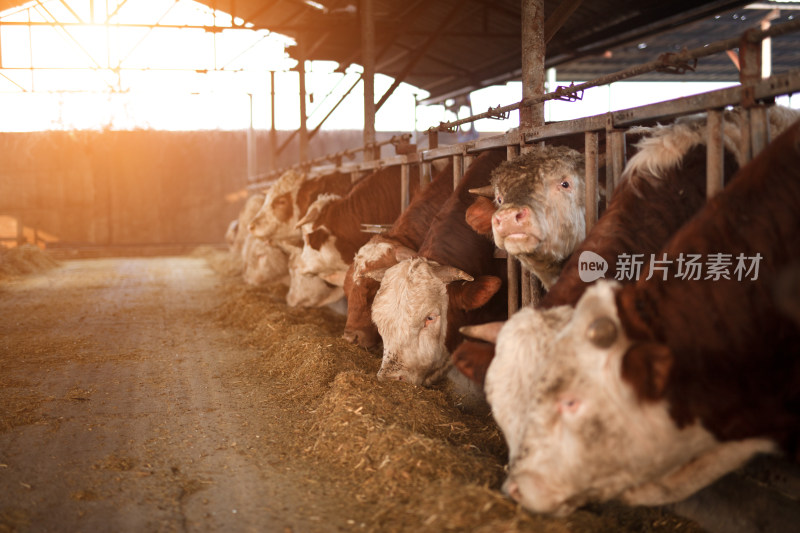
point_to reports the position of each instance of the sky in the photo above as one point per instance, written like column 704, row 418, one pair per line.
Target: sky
column 170, row 78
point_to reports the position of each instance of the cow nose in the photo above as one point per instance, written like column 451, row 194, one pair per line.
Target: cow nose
column 513, row 491
column 350, row 336
column 522, row 214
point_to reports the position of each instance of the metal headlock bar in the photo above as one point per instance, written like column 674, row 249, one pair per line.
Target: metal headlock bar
column 751, row 94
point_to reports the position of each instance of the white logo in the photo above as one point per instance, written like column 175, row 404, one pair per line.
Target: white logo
column 591, row 266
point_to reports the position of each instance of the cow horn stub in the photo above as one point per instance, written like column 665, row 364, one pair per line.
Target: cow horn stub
column 487, row 191
column 602, row 332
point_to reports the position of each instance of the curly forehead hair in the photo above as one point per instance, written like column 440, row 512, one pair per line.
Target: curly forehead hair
column 538, row 162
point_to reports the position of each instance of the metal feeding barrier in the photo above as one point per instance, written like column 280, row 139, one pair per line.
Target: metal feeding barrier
column 753, row 94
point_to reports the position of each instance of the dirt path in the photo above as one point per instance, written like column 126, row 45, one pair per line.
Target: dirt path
column 115, row 416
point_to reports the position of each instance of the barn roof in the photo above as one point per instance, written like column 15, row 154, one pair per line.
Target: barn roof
column 455, row 46
column 450, row 47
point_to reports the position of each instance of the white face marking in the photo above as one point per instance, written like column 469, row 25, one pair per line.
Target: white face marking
column 265, row 224
column 410, row 311
column 576, row 431
column 323, row 262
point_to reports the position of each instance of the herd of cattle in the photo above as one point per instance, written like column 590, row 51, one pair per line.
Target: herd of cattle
column 644, row 386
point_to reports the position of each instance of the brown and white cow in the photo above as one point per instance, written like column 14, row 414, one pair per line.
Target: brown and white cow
column 663, row 186
column 331, row 228
column 263, row 262
column 304, row 290
column 248, row 212
column 288, row 200
column 423, row 301
column 649, row 391
column 384, row 250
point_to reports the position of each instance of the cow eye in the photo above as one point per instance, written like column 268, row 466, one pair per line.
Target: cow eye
column 499, row 200
column 429, row 319
column 569, row 404
column 565, row 184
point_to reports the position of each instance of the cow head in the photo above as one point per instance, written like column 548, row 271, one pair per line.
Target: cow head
column 306, row 291
column 263, row 263
column 578, row 429
column 360, row 289
column 277, row 217
column 411, row 310
column 540, row 206
column 320, row 257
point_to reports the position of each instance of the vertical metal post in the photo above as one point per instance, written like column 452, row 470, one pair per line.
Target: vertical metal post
column 368, row 59
column 251, row 144
column 273, row 133
column 615, row 160
column 458, row 169
column 513, row 285
column 468, row 160
column 749, row 74
column 525, row 285
column 716, row 153
column 404, row 186
column 591, row 143
column 533, row 71
column 512, row 265
column 433, row 140
column 759, row 129
column 20, row 232
column 425, row 175
column 301, row 69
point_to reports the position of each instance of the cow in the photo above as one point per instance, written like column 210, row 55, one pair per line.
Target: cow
column 263, row 263
column 386, row 249
column 288, row 200
column 540, row 215
column 230, row 233
column 648, row 391
column 331, row 227
column 248, row 212
column 453, row 281
column 304, row 290
column 662, row 186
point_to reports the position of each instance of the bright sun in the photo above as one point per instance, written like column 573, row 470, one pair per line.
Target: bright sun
column 108, row 69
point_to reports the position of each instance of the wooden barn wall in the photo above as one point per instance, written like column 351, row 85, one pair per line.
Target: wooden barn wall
column 104, row 188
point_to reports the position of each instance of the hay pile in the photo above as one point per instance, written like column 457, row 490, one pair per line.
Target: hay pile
column 25, row 259
column 410, row 458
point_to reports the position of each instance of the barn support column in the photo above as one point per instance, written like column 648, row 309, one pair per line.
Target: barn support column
column 533, row 71
column 368, row 60
column 715, row 159
column 533, row 78
column 301, row 69
column 273, row 134
column 755, row 134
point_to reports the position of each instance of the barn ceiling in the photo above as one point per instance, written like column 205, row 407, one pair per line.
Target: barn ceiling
column 450, row 47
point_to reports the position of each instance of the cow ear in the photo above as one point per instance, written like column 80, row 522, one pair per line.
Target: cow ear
column 335, row 278
column 469, row 296
column 486, row 332
column 403, row 253
column 376, row 274
column 646, row 366
column 472, row 359
column 479, row 216
column 449, row 274
column 311, row 215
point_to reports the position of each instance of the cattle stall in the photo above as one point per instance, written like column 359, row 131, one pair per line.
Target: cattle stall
column 602, row 139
